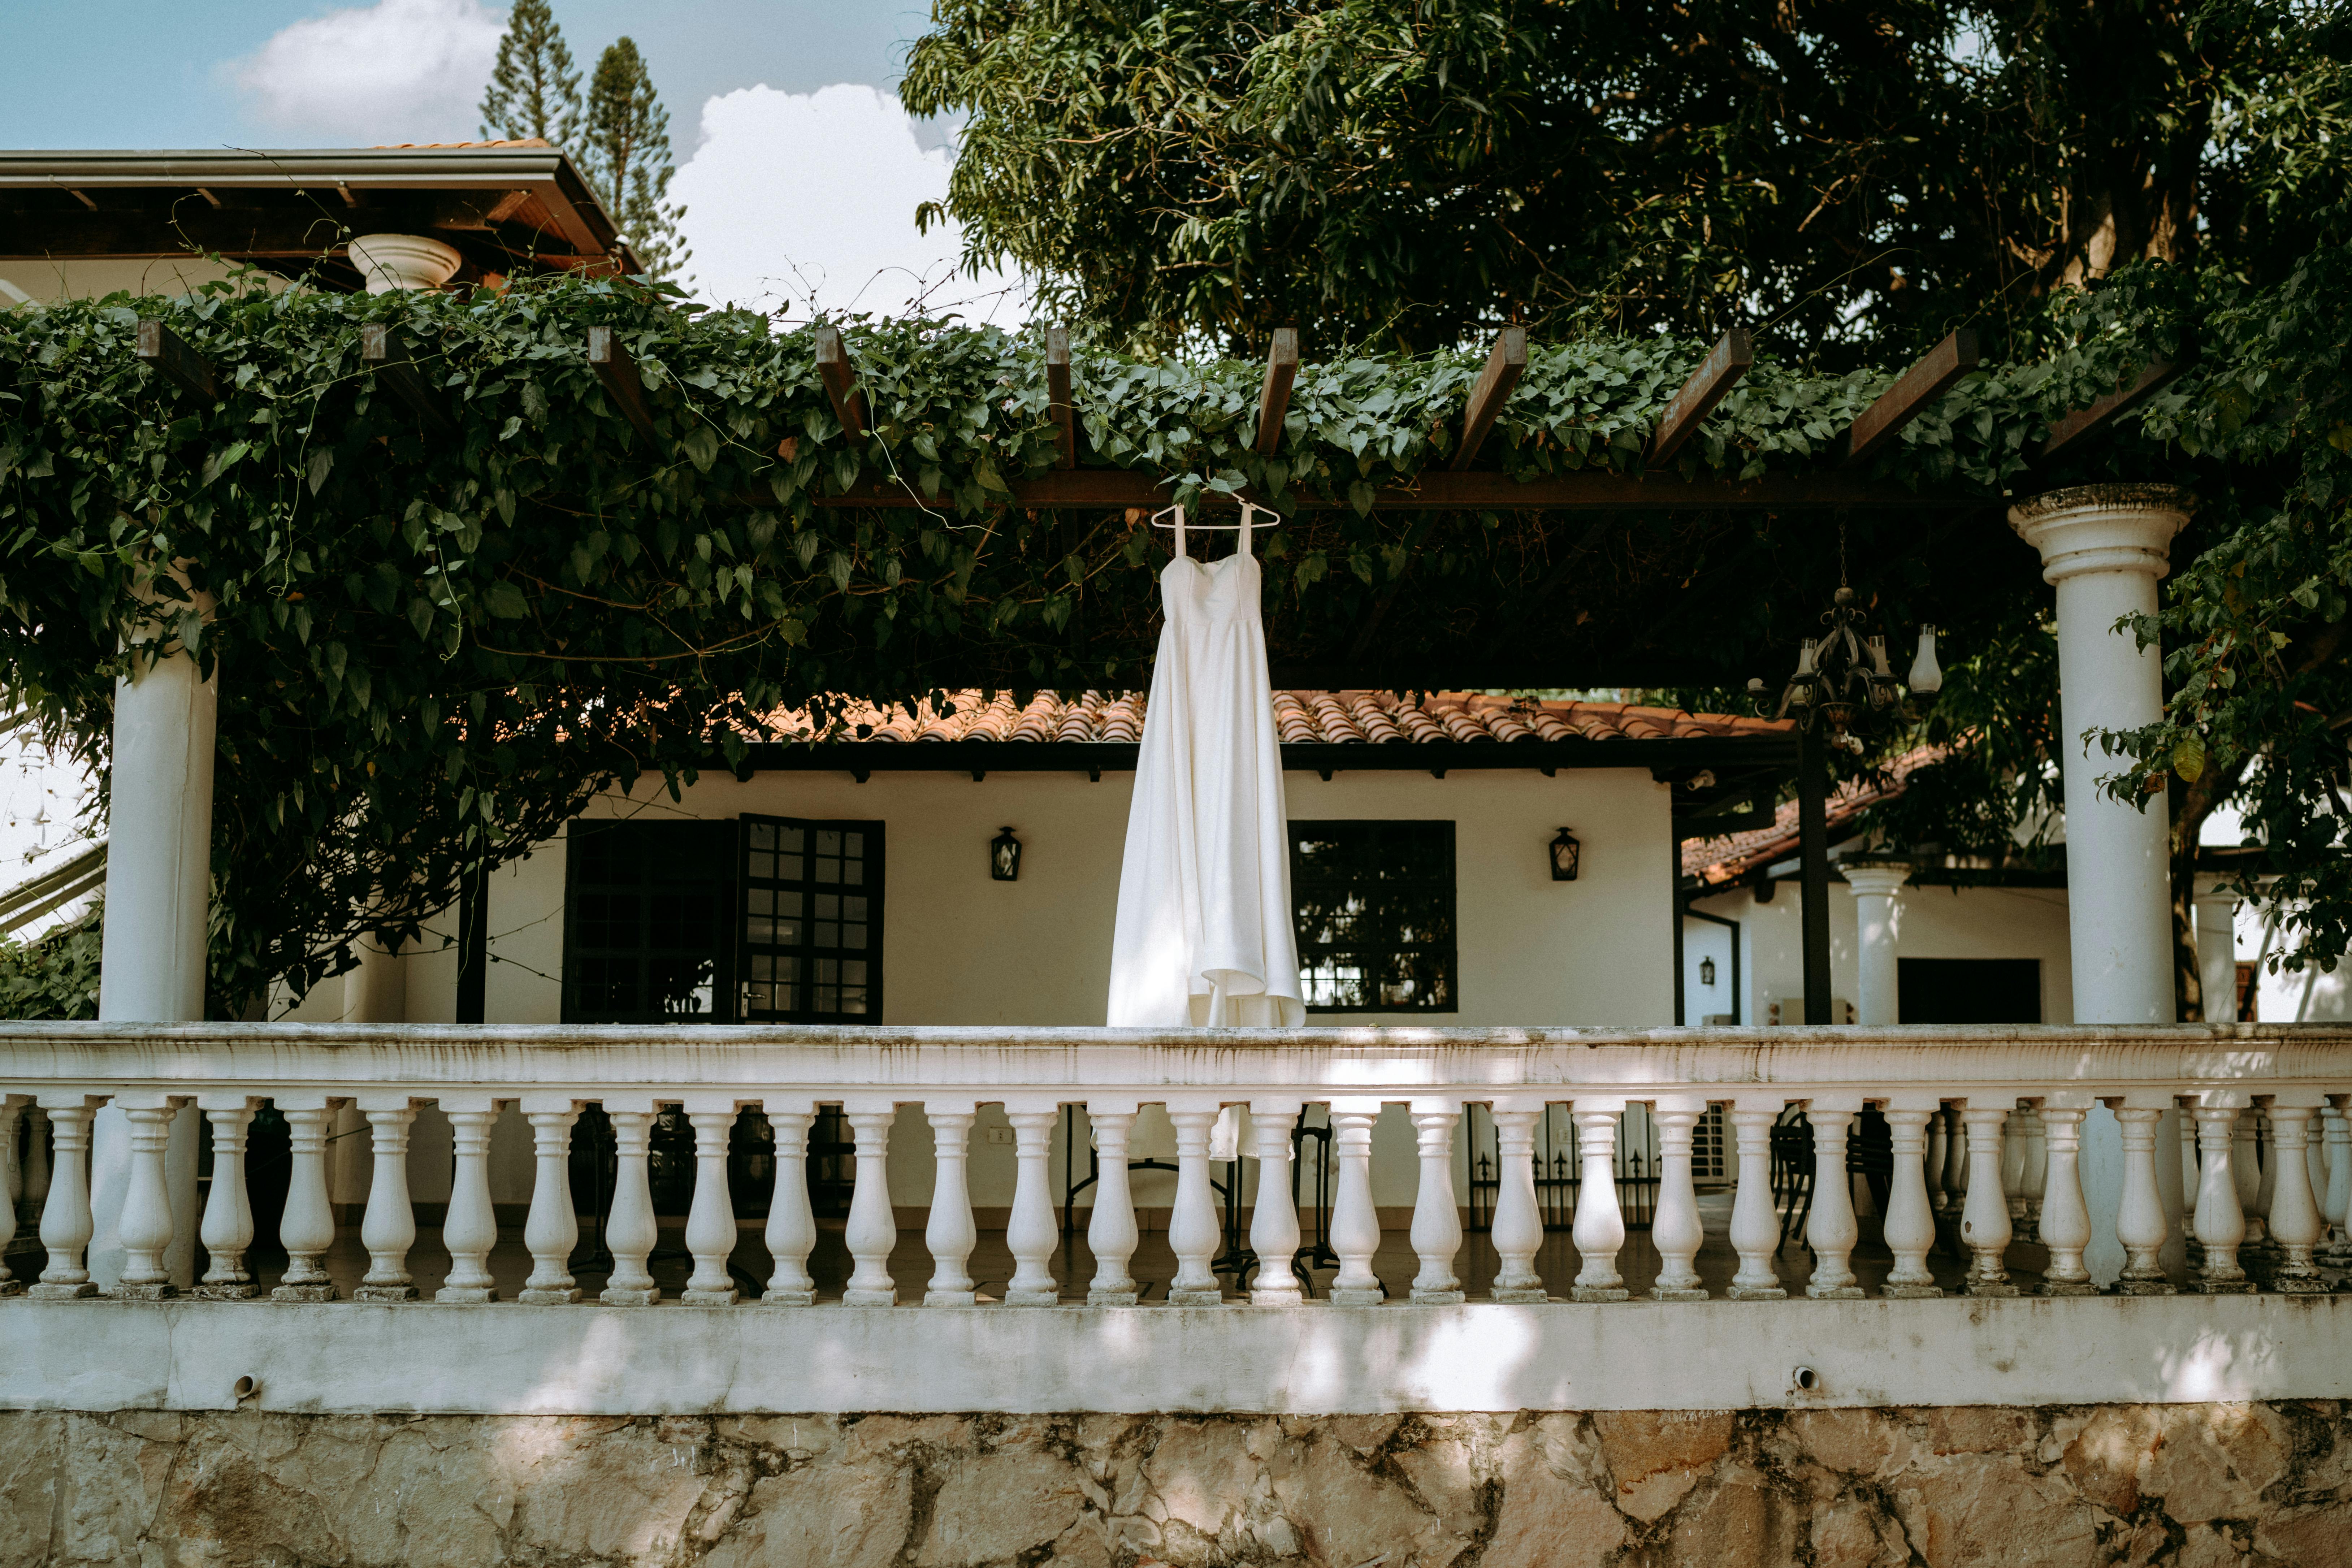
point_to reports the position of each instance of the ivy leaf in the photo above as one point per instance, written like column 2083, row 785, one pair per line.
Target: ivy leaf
column 2188, row 757
column 701, row 445
column 222, row 462
column 506, row 601
column 322, row 462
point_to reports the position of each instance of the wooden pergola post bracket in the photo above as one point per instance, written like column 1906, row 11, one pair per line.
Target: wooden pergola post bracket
column 181, row 365
column 1504, row 366
column 1718, row 375
column 840, row 380
column 1274, row 397
column 1910, row 396
column 2068, row 429
column 382, row 353
column 1057, row 396
column 618, row 371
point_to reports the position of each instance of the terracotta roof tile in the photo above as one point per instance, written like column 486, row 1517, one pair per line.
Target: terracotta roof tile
column 1726, row 859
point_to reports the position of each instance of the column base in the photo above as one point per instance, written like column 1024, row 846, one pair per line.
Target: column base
column 1424, row 1298
column 1196, row 1298
column 951, row 1299
column 1993, row 1288
column 1756, row 1293
column 160, row 1290
column 232, row 1290
column 1529, row 1296
column 726, row 1298
column 2300, row 1285
column 2143, row 1288
column 1834, row 1293
column 1691, row 1295
column 890, row 1298
column 45, row 1292
column 1294, row 1297
column 2223, row 1287
column 319, row 1292
column 384, row 1293
column 1113, row 1298
column 1599, row 1293
column 1911, row 1292
column 465, row 1295
column 1357, row 1296
column 560, row 1298
column 2069, row 1288
column 772, row 1298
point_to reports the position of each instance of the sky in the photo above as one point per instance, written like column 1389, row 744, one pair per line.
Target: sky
column 798, row 168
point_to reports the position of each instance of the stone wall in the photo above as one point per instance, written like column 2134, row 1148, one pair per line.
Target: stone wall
column 2187, row 1486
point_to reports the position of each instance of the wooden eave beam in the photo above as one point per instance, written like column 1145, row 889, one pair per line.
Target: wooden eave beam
column 1274, row 397
column 840, row 380
column 1504, row 366
column 2072, row 427
column 1721, row 371
column 1911, row 396
column 1057, row 397
column 181, row 365
column 618, row 371
column 383, row 354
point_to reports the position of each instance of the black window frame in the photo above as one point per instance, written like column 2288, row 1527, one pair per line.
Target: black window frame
column 1307, row 881
column 693, row 857
column 810, row 952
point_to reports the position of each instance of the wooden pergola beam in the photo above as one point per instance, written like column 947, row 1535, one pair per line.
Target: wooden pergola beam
column 382, row 353
column 1504, row 366
column 1274, row 397
column 1911, row 396
column 1723, row 365
column 840, row 380
column 618, row 371
column 1057, row 396
column 2070, row 428
column 181, row 365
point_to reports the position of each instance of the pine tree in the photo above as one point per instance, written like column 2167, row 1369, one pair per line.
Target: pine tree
column 533, row 90
column 625, row 155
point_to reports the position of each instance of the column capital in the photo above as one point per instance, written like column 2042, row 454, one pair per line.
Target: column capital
column 2104, row 528
column 391, row 262
column 1877, row 878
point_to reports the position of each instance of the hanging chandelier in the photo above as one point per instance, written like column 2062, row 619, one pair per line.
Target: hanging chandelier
column 1843, row 682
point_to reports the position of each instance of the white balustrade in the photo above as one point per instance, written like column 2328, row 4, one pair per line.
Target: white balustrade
column 710, row 1217
column 1517, row 1227
column 1273, row 1218
column 1598, row 1228
column 1437, row 1233
column 226, row 1230
column 66, row 1227
column 2064, row 1221
column 1984, row 1218
column 2221, row 1223
column 552, row 1229
column 792, row 1223
column 1030, row 1232
column 2246, row 1170
column 1192, row 1222
column 630, row 1229
column 2337, row 1208
column 1674, row 1228
column 469, row 1228
column 1909, row 1229
column 388, row 1228
column 951, row 1234
column 2140, row 1223
column 2033, row 1183
column 307, row 1227
column 1832, row 1229
column 1755, row 1226
column 145, row 1228
column 1939, row 1129
column 11, row 1188
column 1111, row 1233
column 2295, row 1220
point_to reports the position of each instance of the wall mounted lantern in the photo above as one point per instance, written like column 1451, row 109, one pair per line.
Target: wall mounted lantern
column 1706, row 971
column 1565, row 853
column 1004, row 857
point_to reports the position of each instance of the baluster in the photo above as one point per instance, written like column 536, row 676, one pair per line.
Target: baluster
column 2258, row 1214
column 1830, row 1229
column 65, row 1218
column 792, row 1227
column 1515, row 1228
column 1599, row 1228
column 2140, row 1224
column 2185, row 1134
column 145, row 1226
column 1675, row 1227
column 2013, row 1167
column 1984, row 1221
column 711, row 1219
column 1755, row 1228
column 1910, row 1228
column 552, row 1229
column 1030, row 1232
column 1955, row 1168
column 2037, row 1173
column 2246, row 1172
column 950, row 1233
column 1436, row 1232
column 388, row 1227
column 1273, row 1218
column 2294, row 1212
column 2220, row 1225
column 469, row 1228
column 308, row 1227
column 1111, row 1233
column 1939, row 1157
column 1193, row 1223
column 2339, row 1249
column 11, row 1188
column 2064, row 1223
column 1355, row 1223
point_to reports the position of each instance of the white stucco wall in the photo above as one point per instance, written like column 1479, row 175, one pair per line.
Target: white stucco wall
column 94, row 278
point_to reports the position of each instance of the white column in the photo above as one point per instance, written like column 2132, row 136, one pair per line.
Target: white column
column 1875, row 888
column 1436, row 1216
column 552, row 1229
column 792, row 1227
column 65, row 1216
column 1192, row 1222
column 1517, row 1231
column 2064, row 1223
column 1355, row 1223
column 1755, row 1228
column 1598, row 1228
column 388, row 1230
column 2217, row 948
column 2104, row 547
column 1674, row 1228
column 2294, row 1211
column 2337, row 1208
column 1910, row 1227
column 950, row 1233
column 1830, row 1229
column 2220, row 1225
column 2141, row 1227
column 1984, row 1222
column 469, row 1225
column 228, row 1211
column 307, row 1229
column 710, row 1217
column 144, row 1228
column 1111, row 1233
column 1030, row 1232
column 1274, row 1218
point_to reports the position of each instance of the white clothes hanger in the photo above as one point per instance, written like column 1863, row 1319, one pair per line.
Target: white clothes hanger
column 1248, row 522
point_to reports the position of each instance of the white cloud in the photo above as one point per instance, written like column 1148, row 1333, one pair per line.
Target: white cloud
column 807, row 201
column 399, row 70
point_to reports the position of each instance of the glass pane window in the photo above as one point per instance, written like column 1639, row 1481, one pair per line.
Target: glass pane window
column 1374, row 903
column 648, row 933
column 812, row 921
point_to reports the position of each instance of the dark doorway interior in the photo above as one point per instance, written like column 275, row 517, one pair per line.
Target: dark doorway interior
column 1970, row 990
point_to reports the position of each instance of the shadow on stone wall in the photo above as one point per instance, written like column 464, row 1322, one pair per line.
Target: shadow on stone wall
column 2186, row 1486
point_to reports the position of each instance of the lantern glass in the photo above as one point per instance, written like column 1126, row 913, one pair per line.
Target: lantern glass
column 1566, row 853
column 1004, row 857
column 1706, row 971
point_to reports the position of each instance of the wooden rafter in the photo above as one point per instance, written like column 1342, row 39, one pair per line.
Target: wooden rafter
column 1274, row 397
column 1492, row 388
column 618, row 371
column 1911, row 396
column 1720, row 372
column 1057, row 396
column 383, row 353
column 2072, row 427
column 181, row 365
column 840, row 380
